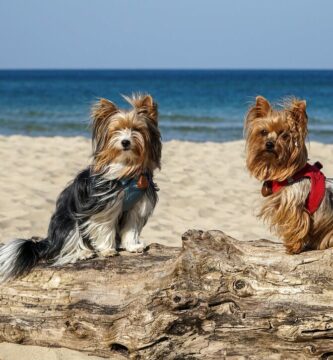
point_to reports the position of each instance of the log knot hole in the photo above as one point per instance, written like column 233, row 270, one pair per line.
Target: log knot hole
column 242, row 288
column 119, row 348
column 77, row 329
column 239, row 284
column 176, row 299
column 13, row 333
column 184, row 301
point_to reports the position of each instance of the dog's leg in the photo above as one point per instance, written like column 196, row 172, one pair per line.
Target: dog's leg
column 102, row 229
column 296, row 245
column 326, row 242
column 133, row 224
column 74, row 249
column 295, row 231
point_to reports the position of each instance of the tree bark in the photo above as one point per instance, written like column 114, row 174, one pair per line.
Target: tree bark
column 214, row 298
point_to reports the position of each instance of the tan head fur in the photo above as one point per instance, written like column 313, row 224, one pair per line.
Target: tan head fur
column 275, row 139
column 130, row 138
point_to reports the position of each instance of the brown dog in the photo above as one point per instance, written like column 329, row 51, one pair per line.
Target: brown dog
column 299, row 201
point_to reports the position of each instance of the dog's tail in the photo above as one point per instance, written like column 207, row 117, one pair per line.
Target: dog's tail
column 19, row 256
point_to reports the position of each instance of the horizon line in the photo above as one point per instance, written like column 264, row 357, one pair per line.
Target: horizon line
column 165, row 69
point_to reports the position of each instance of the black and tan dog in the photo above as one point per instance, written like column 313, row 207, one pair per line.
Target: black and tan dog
column 107, row 205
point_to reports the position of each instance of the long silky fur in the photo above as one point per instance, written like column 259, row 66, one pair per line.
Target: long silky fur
column 88, row 215
column 285, row 213
column 88, row 194
column 285, row 210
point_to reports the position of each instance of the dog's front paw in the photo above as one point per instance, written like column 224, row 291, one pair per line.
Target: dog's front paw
column 294, row 248
column 108, row 253
column 135, row 247
column 86, row 254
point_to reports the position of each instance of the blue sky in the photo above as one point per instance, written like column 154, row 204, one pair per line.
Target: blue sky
column 166, row 34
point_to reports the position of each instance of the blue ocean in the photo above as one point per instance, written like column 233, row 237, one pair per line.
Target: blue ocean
column 195, row 105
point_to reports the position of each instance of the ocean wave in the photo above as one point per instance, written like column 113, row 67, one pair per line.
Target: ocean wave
column 191, row 118
column 321, row 127
column 199, row 130
column 35, row 113
column 200, row 126
column 36, row 126
column 43, row 115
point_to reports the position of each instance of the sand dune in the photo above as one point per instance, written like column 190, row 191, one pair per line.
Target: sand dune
column 202, row 186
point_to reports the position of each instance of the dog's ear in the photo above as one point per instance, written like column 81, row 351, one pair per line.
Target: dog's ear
column 262, row 107
column 145, row 105
column 103, row 109
column 101, row 113
column 297, row 109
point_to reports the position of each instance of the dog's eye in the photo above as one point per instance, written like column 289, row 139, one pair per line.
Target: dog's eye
column 264, row 132
column 285, row 136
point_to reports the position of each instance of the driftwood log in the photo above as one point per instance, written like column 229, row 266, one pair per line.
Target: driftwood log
column 216, row 298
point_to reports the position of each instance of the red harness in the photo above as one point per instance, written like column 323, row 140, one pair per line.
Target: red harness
column 317, row 191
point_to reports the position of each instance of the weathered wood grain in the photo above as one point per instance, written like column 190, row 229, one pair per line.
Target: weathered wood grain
column 215, row 298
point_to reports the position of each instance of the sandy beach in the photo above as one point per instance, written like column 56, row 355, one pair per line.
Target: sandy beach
column 202, row 185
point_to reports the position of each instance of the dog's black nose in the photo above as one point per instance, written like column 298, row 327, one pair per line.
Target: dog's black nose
column 269, row 145
column 125, row 143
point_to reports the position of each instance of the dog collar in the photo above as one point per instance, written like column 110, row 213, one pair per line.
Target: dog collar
column 134, row 189
column 317, row 190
